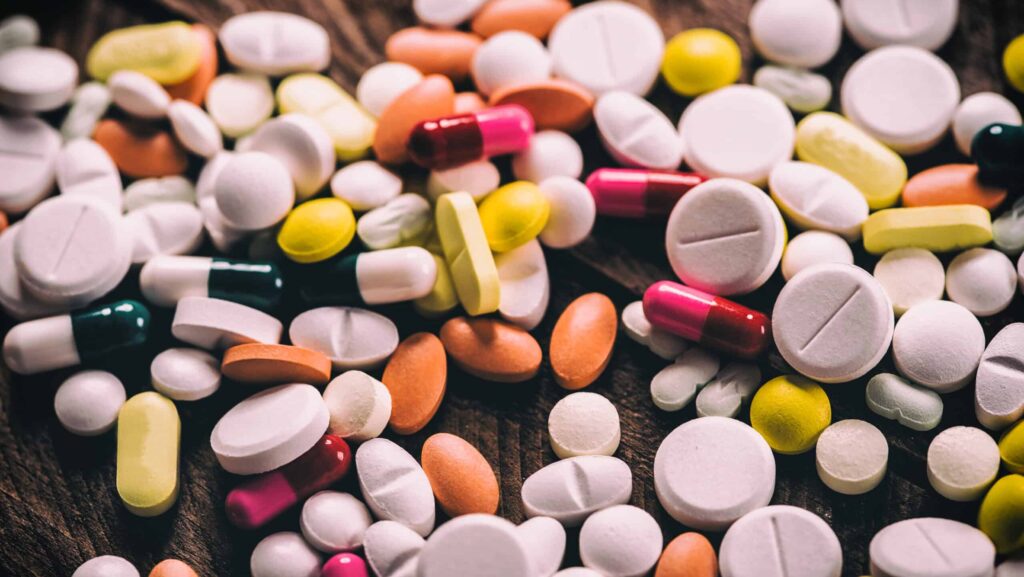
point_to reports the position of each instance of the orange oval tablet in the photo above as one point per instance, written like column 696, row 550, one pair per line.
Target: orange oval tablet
column 172, row 568
column 582, row 342
column 688, row 555
column 140, row 153
column 554, row 104
column 491, row 349
column 466, row 102
column 262, row 364
column 433, row 97
column 447, row 52
column 535, row 17
column 194, row 89
column 462, row 479
column 951, row 184
column 3, row 221
column 415, row 376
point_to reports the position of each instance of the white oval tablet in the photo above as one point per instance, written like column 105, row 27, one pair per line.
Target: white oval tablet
column 978, row 111
column 359, row 404
column 35, row 79
column 572, row 213
column 577, row 572
column 394, row 485
column 962, row 463
column 676, row 385
column 982, row 280
column 275, row 43
column 284, row 554
column 804, row 33
column 702, row 490
column 149, row 191
column 446, row 13
column 165, row 228
column 544, row 539
column 621, row 541
column 106, row 566
column 182, row 374
column 923, row 23
column 525, row 287
column 571, row 489
column 405, row 218
column 365, row 185
column 851, row 456
column 475, row 544
column 382, row 83
column 583, row 424
column 269, row 429
column 88, row 105
column 214, row 324
column 30, row 166
column 507, row 59
column 737, row 131
column 16, row 300
column 392, row 549
column 302, row 146
column 910, row 276
column 938, row 344
column 731, row 388
column 478, row 178
column 812, row 248
column 223, row 236
column 239, row 103
column 814, row 198
column 780, row 541
column 333, row 522
column 87, row 402
column 802, row 91
column 913, row 406
column 353, row 338
column 254, row 191
column 138, row 94
column 1013, row 566
column 550, row 153
column 17, row 31
column 84, row 167
column 931, row 547
column 999, row 386
column 636, row 133
column 725, row 237
column 195, row 129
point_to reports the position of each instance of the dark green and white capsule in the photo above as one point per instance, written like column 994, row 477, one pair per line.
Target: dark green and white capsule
column 165, row 280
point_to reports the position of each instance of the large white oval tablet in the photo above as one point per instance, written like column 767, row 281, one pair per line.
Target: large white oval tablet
column 572, row 214
column 982, row 280
column 570, row 490
column 475, row 544
column 333, row 522
column 405, row 218
column 173, row 228
column 780, row 541
column 218, row 324
column 195, row 129
column 382, row 83
column 962, row 463
column 583, row 423
column 910, row 276
column 525, row 287
column 302, row 146
column 815, row 198
column 284, row 554
column 550, row 153
column 731, row 388
column 275, row 43
column 239, row 103
column 636, row 133
column 29, row 166
column 106, row 566
column 394, row 485
column 931, row 547
column 851, row 456
column 620, row 541
column 978, row 111
column 365, row 185
column 999, row 386
column 182, row 374
column 938, row 344
column 804, row 33
column 677, row 384
column 353, row 338
column 87, row 402
column 923, row 23
column 913, row 406
column 35, row 79
column 359, row 404
column 507, row 59
column 138, row 94
column 392, row 549
column 812, row 248
column 84, row 167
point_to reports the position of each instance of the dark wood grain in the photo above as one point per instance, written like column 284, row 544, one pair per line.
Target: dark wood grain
column 58, row 505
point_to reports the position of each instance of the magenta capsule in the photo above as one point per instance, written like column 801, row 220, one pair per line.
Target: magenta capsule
column 639, row 193
column 464, row 138
column 707, row 319
column 344, row 565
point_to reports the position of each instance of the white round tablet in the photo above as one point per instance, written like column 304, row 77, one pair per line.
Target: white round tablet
column 621, row 541
column 571, row 489
column 35, row 79
column 978, row 111
column 812, row 248
column 851, row 456
column 804, row 33
column 394, row 485
column 923, row 23
column 780, row 541
column 801, row 90
column 544, row 538
column 478, row 178
column 938, row 344
column 636, row 133
column 983, row 280
column 550, row 153
column 17, row 301
column 446, row 13
column 87, row 402
column 676, row 385
column 138, row 94
column 572, row 213
column 359, row 404
column 525, row 287
column 106, row 566
column 910, row 276
column 84, row 167
column 239, row 103
column 737, row 131
column 392, row 549
column 333, row 522
column 507, row 59
column 475, row 544
column 353, row 338
column 254, row 191
column 173, row 228
column 17, row 31
column 302, row 146
column 583, row 424
column 284, row 554
column 999, row 387
column 30, row 169
column 195, row 130
column 365, row 185
column 814, row 198
column 184, row 374
column 382, row 83
column 962, row 463
column 701, row 489
column 725, row 237
column 931, row 547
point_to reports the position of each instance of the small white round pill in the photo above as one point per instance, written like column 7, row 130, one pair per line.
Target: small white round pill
column 87, row 402
column 365, row 185
column 780, row 541
column 676, row 385
column 254, row 191
column 84, row 167
column 851, row 456
column 931, row 547
column 923, row 23
column 804, row 33
column 302, row 146
column 106, row 566
column 446, row 13
column 284, row 554
column 962, row 463
column 550, row 153
column 17, row 31
column 572, row 213
column 182, row 374
column 333, row 522
column 478, row 178
column 138, row 94
column 983, row 280
column 88, row 104
column 802, row 91
column 239, row 103
column 938, row 344
column 507, row 59
column 382, row 83
column 910, row 276
column 194, row 128
column 525, row 285
column 583, row 424
column 812, row 248
column 359, row 404
column 475, row 544
column 978, row 111
column 620, row 541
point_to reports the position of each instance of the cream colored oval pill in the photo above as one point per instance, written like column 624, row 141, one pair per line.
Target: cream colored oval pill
column 815, row 198
column 138, row 94
column 148, row 437
column 275, row 43
column 636, row 133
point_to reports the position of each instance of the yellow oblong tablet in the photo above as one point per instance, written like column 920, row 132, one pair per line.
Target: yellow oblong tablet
column 442, row 298
column 829, row 140
column 350, row 126
column 469, row 257
column 148, row 442
column 168, row 53
column 934, row 228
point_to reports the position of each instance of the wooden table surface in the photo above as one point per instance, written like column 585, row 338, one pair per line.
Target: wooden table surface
column 58, row 505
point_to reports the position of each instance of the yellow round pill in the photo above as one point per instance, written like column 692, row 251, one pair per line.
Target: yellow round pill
column 1013, row 62
column 514, row 215
column 317, row 230
column 790, row 412
column 701, row 60
column 1001, row 515
column 1011, row 448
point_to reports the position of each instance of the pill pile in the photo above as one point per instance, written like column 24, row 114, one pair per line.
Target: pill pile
column 273, row 215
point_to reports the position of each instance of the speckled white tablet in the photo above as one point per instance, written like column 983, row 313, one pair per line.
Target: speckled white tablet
column 35, row 79
column 284, row 554
column 359, row 404
column 15, row 299
column 550, row 153
column 978, row 111
column 525, row 287
column 938, row 344
column 910, row 276
column 382, row 83
column 725, row 237
column 780, row 541
column 405, row 218
column 302, row 146
column 333, row 522
column 29, row 165
column 275, row 43
column 365, row 185
column 636, row 133
column 195, row 129
column 394, row 485
column 84, row 167
column 164, row 228
column 583, row 424
column 106, row 566
column 478, row 178
column 87, row 402
column 269, row 429
column 88, row 104
column 738, row 131
column 254, row 191
column 239, row 103
column 183, row 374
column 913, row 406
column 544, row 539
column 621, row 541
column 571, row 489
column 353, row 338
column 815, row 198
column 851, row 456
column 392, row 549
column 924, row 23
column 931, row 547
column 507, row 59
column 138, row 94
column 731, row 388
column 812, row 248
column 475, row 544
column 962, row 463
column 215, row 324
column 572, row 212
column 801, row 90
column 982, row 280
column 149, row 191
column 676, row 385
column 804, row 33
column 832, row 322
column 702, row 490
column 999, row 385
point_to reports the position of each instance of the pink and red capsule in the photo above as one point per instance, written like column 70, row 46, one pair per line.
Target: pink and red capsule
column 464, row 138
column 639, row 193
column 344, row 565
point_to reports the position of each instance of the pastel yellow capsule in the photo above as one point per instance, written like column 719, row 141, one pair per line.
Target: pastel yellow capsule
column 934, row 228
column 148, row 438
column 514, row 215
column 1013, row 62
column 1001, row 515
column 1011, row 448
column 827, row 139
column 790, row 412
column 469, row 258
column 350, row 126
column 168, row 53
column 701, row 60
column 317, row 230
column 442, row 298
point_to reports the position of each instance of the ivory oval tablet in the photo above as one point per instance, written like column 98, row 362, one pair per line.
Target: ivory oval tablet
column 394, row 485
column 778, row 541
column 478, row 178
column 636, row 133
column 195, row 128
column 912, row 406
column 392, row 549
column 138, row 94
column 931, row 547
column 525, row 287
column 815, row 198
column 802, row 91
column 416, row 377
column 218, row 324
column 275, row 43
column 676, row 385
column 461, row 478
column 582, row 340
column 491, row 349
column 999, row 385
column 353, row 338
column 403, row 219
column 571, row 489
column 184, row 374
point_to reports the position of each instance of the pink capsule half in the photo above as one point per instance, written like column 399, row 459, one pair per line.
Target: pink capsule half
column 464, row 138
column 639, row 193
column 344, row 565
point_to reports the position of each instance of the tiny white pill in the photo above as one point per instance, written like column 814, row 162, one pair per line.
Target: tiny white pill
column 184, row 374
column 636, row 133
column 1008, row 229
column 779, row 541
column 570, row 490
column 676, row 385
column 394, row 485
column 302, row 146
column 508, row 59
column 218, row 324
column 923, row 23
column 572, row 212
column 812, row 248
column 931, row 547
column 87, row 402
column 525, row 287
column 284, row 554
column 910, row 276
column 938, row 344
column 962, row 463
column 983, row 280
column 18, row 31
column 365, row 185
column 999, row 387
column 978, row 111
column 620, row 541
column 803, row 33
column 239, row 103
column 359, row 404
column 84, row 167
column 194, row 128
column 353, row 338
column 275, row 43
column 106, row 566
column 478, row 178
column 550, row 153
column 254, row 191
column 731, row 388
column 851, row 456
column 802, row 91
column 138, row 94
column 814, row 198
column 911, row 405
column 583, row 424
column 392, row 549
column 382, row 83
column 333, row 522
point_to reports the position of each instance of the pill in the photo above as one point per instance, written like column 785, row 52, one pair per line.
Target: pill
column 466, row 102
column 1011, row 449
column 316, row 230
column 780, row 540
column 352, row 338
column 224, row 237
column 535, row 17
column 445, row 14
column 466, row 250
column 549, row 153
column 700, row 60
column 525, row 287
column 260, row 499
column 731, row 388
column 978, row 111
column 475, row 545
column 254, row 191
column 66, row 340
column 453, row 140
column 183, row 374
column 34, row 79
column 635, row 193
column 812, row 248
column 359, row 405
column 138, row 94
column 935, row 228
column 140, row 152
column 194, row 128
column 400, row 132
column 16, row 300
column 851, row 456
column 239, row 103
column 17, row 31
column 84, row 167
column 415, row 376
column 284, row 554
column 932, row 547
column 620, row 541
column 106, row 566
column 676, row 385
column 275, row 43
column 913, row 406
column 993, row 150
column 167, row 52
column 194, row 88
column 333, row 522
column 1011, row 567
column 1008, row 230
column 378, row 277
column 350, row 127
column 442, row 298
column 910, row 276
column 938, row 344
column 404, row 219
column 544, row 537
column 982, row 280
column 88, row 104
column 725, row 236
column 262, row 364
column 1013, row 63
column 636, row 133
column 608, row 46
column 461, row 478
column 583, row 424
column 554, row 104
column 366, row 185
column 706, row 319
column 302, row 145
column 815, row 198
column 962, row 463
column 478, row 178
column 87, row 403
column 739, row 132
column 577, row 572
column 382, row 83
column 999, row 386
column 571, row 214
column 688, row 555
column 431, row 51
column 213, row 323
column 951, row 184
column 172, row 568
column 1000, row 514
column 165, row 280
column 491, row 349
column 790, row 412
column 572, row 489
column 148, row 437
column 582, row 341
column 513, row 215
column 392, row 549
column 383, row 467
column 700, row 489
column 169, row 228
column 344, row 565
column 804, row 34
column 802, row 91
column 507, row 59
column 915, row 22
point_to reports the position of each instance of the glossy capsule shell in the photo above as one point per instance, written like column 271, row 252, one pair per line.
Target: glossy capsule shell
column 371, row 278
column 344, row 565
column 639, row 193
column 464, row 138
column 165, row 280
column 68, row 340
column 707, row 319
column 261, row 499
column 148, row 442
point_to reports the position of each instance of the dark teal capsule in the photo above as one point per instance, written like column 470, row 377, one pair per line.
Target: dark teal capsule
column 332, row 283
column 104, row 329
column 998, row 150
column 256, row 284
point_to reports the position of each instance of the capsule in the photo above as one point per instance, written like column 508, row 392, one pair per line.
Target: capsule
column 165, row 280
column 712, row 321
column 464, row 138
column 256, row 502
column 371, row 278
column 71, row 339
column 639, row 193
column 344, row 565
column 997, row 149
column 148, row 441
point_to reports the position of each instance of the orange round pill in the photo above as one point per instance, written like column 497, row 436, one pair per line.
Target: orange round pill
column 535, row 17
column 491, row 349
column 194, row 89
column 554, row 104
column 415, row 376
column 466, row 102
column 140, row 153
column 582, row 342
column 951, row 184
column 172, row 568
column 447, row 52
column 433, row 97
column 461, row 478
column 262, row 364
column 688, row 555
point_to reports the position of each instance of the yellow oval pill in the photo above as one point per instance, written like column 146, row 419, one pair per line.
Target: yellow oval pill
column 827, row 139
column 1011, row 448
column 148, row 437
column 790, row 412
column 701, row 60
column 350, row 126
column 442, row 298
column 934, row 228
column 1001, row 515
column 514, row 215
column 469, row 258
column 168, row 53
column 1013, row 62
column 317, row 230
